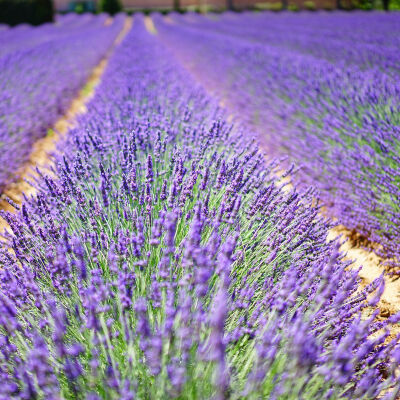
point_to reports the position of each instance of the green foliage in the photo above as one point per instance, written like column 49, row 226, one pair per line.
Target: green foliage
column 82, row 6
column 50, row 133
column 394, row 5
column 275, row 6
column 34, row 12
column 378, row 4
column 293, row 7
column 309, row 5
column 79, row 8
column 328, row 7
column 110, row 6
column 363, row 4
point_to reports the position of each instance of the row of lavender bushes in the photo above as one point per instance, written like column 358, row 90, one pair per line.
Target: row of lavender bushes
column 321, row 89
column 163, row 260
column 42, row 70
column 23, row 37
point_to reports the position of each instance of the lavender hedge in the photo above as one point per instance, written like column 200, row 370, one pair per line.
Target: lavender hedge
column 367, row 40
column 330, row 104
column 22, row 37
column 42, row 70
column 164, row 261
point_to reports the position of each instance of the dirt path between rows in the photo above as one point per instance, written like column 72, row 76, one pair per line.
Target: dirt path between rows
column 42, row 150
column 372, row 265
column 149, row 24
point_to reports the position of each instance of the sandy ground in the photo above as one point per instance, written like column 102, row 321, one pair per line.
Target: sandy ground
column 372, row 268
column 41, row 155
column 149, row 24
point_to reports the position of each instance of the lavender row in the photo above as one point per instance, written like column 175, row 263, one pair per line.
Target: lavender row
column 340, row 124
column 40, row 75
column 163, row 260
column 22, row 37
column 370, row 41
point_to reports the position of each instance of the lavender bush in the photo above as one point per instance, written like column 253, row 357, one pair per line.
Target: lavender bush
column 42, row 70
column 324, row 96
column 163, row 260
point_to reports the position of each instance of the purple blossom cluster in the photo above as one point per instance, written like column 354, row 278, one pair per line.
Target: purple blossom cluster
column 42, row 70
column 320, row 89
column 163, row 260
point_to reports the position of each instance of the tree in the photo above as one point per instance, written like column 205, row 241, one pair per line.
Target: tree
column 43, row 11
column 177, row 5
column 385, row 5
column 229, row 5
column 110, row 6
column 35, row 12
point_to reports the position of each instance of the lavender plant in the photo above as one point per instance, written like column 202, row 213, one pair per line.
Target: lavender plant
column 42, row 70
column 163, row 260
column 326, row 100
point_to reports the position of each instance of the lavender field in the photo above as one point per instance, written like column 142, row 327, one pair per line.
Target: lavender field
column 176, row 247
column 324, row 90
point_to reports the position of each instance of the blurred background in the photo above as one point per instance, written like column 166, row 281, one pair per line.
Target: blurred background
column 36, row 12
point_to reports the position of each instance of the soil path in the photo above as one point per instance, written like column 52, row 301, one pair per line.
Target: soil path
column 372, row 268
column 42, row 150
column 149, row 24
column 372, row 265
